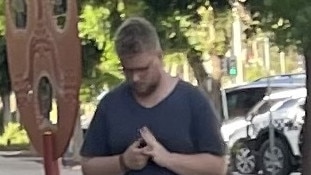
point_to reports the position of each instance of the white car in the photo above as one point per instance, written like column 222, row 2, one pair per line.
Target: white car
column 249, row 145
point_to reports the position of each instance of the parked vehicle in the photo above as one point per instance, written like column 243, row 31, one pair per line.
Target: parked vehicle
column 237, row 101
column 249, row 145
column 295, row 78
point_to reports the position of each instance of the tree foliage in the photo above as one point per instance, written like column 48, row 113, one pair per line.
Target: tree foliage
column 287, row 22
column 100, row 64
column 2, row 17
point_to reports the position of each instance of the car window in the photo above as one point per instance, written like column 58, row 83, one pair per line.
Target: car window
column 241, row 101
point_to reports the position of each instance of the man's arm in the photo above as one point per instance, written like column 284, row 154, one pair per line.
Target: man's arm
column 182, row 164
column 132, row 159
column 198, row 164
column 101, row 165
column 95, row 147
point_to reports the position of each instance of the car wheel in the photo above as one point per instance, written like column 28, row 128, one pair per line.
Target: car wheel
column 243, row 159
column 277, row 163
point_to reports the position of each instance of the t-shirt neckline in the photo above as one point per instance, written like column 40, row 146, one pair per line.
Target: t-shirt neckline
column 173, row 91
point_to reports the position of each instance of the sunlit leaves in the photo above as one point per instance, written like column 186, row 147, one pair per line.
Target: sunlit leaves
column 2, row 25
column 211, row 33
column 93, row 24
column 289, row 20
column 101, row 65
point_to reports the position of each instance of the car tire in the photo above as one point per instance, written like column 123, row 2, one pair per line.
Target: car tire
column 282, row 157
column 243, row 159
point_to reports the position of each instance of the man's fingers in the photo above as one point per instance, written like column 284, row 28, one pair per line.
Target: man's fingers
column 148, row 152
column 136, row 144
column 147, row 136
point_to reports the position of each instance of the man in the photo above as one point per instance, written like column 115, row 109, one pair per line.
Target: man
column 153, row 123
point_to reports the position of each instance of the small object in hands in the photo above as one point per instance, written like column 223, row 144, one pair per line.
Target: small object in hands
column 142, row 143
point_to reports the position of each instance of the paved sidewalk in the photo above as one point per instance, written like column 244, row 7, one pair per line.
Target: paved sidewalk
column 13, row 164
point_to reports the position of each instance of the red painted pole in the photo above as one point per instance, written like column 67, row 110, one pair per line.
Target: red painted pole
column 50, row 164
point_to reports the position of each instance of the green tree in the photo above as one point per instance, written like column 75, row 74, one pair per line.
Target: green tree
column 100, row 64
column 2, row 16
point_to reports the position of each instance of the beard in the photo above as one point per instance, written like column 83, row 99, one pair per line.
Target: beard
column 144, row 89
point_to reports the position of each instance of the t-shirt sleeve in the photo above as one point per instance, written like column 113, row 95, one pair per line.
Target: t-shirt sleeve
column 206, row 126
column 95, row 142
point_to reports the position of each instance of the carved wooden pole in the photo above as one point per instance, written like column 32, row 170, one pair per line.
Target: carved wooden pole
column 45, row 64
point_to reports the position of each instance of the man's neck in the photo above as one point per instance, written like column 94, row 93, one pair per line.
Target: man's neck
column 165, row 87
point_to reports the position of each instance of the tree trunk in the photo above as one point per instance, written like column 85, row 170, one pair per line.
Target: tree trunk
column 18, row 116
column 6, row 109
column 77, row 141
column 216, row 83
column 306, row 151
column 210, row 84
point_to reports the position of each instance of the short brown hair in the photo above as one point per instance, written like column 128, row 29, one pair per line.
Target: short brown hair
column 136, row 35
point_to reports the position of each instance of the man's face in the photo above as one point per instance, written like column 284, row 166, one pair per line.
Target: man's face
column 142, row 71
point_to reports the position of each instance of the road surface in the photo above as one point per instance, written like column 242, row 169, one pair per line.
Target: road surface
column 17, row 165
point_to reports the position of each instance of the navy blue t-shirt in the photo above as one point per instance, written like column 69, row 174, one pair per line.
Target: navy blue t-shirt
column 184, row 122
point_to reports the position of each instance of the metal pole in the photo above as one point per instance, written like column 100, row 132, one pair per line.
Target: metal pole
column 267, row 55
column 237, row 43
column 282, row 62
column 224, row 104
column 50, row 164
column 267, row 67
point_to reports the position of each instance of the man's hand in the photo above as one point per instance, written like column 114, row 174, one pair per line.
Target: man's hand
column 154, row 149
column 134, row 158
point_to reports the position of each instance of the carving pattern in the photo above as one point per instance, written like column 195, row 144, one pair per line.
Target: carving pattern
column 40, row 50
column 42, row 44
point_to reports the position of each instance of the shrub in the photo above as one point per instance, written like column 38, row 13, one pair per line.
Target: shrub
column 14, row 135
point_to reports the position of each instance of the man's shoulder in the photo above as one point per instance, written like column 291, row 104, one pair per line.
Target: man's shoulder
column 195, row 93
column 116, row 93
column 119, row 89
column 188, row 87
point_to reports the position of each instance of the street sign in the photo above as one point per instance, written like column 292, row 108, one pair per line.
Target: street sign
column 44, row 64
